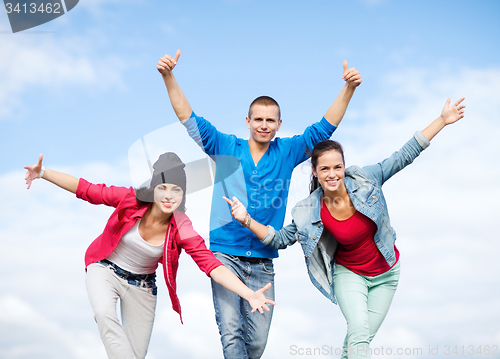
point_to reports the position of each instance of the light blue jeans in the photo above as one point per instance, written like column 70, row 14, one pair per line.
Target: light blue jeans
column 364, row 302
column 243, row 333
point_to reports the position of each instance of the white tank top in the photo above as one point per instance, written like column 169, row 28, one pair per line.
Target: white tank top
column 136, row 255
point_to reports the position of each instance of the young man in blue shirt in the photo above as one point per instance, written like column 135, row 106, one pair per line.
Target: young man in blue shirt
column 258, row 171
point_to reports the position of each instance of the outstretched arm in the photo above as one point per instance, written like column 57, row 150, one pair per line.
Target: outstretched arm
column 178, row 100
column 449, row 115
column 387, row 168
column 229, row 280
column 63, row 180
column 337, row 110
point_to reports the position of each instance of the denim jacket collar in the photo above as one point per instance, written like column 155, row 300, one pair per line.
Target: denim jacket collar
column 350, row 184
column 315, row 198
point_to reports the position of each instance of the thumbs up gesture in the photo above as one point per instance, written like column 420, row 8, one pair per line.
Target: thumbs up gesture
column 351, row 76
column 167, row 63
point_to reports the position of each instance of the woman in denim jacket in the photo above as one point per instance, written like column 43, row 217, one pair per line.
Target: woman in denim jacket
column 148, row 227
column 345, row 232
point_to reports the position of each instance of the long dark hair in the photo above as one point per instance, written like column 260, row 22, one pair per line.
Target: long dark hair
column 319, row 150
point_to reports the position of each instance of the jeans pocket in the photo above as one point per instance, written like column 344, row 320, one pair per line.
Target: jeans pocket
column 268, row 267
column 149, row 290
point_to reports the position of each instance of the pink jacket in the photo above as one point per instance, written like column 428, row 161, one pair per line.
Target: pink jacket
column 180, row 233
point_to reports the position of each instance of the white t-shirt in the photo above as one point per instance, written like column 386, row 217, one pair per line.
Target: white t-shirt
column 136, row 255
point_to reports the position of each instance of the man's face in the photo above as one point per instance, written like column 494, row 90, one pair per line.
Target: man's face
column 263, row 123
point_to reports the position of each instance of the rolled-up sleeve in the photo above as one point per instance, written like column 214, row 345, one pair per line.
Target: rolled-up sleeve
column 387, row 168
column 280, row 239
column 422, row 140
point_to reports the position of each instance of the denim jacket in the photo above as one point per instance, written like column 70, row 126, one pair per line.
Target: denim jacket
column 364, row 186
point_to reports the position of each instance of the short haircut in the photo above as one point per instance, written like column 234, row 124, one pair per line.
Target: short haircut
column 264, row 101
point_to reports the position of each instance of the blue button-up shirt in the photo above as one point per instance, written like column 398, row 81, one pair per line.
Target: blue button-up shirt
column 262, row 188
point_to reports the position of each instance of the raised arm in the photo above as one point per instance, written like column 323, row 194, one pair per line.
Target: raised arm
column 63, row 180
column 178, row 100
column 385, row 169
column 337, row 110
column 449, row 115
column 230, row 281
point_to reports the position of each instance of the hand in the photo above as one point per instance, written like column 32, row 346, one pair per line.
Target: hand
column 166, row 64
column 33, row 171
column 453, row 113
column 238, row 210
column 351, row 76
column 258, row 301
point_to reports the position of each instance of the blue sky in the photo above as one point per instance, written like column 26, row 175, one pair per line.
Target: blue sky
column 92, row 77
column 84, row 87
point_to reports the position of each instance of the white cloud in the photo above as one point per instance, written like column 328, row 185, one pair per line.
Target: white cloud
column 442, row 208
column 28, row 62
column 44, row 233
column 23, row 323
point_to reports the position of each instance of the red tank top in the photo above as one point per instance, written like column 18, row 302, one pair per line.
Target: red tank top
column 357, row 250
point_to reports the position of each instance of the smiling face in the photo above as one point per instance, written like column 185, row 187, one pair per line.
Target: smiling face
column 330, row 171
column 168, row 197
column 263, row 122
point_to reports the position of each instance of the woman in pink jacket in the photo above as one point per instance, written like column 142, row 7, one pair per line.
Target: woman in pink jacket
column 148, row 227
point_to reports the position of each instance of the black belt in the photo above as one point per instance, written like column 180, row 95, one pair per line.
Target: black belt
column 128, row 275
column 252, row 260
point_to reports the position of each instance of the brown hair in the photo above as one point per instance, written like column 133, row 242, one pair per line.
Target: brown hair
column 264, row 101
column 319, row 150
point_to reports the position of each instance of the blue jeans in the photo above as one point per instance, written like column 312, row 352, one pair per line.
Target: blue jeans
column 364, row 302
column 243, row 333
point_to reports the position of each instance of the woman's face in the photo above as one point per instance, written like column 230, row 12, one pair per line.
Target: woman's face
column 168, row 197
column 330, row 171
